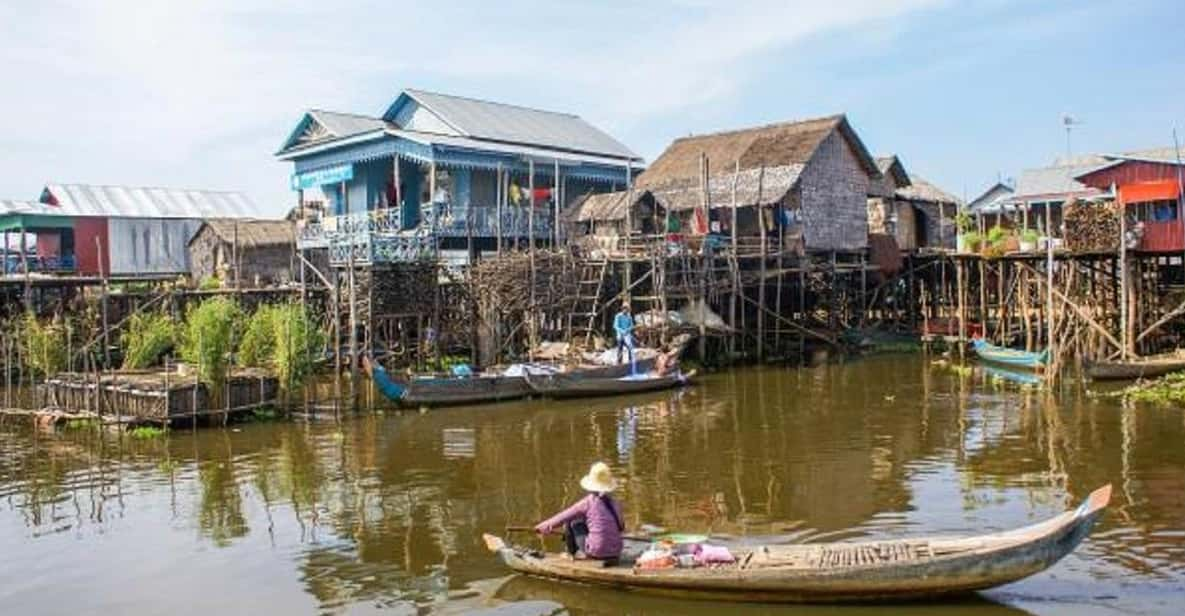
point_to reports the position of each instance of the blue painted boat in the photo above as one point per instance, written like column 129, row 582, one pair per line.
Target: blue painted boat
column 1010, row 357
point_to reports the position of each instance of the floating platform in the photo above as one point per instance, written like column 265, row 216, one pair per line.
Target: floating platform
column 156, row 396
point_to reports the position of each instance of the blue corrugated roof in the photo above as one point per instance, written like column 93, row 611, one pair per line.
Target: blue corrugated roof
column 493, row 121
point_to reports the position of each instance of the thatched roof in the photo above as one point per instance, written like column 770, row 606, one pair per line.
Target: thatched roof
column 891, row 165
column 250, row 233
column 761, row 186
column 775, row 145
column 921, row 190
column 604, row 206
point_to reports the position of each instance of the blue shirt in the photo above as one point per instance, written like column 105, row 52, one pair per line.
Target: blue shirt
column 623, row 324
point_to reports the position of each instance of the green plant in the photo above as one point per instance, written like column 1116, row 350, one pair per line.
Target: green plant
column 1029, row 236
column 147, row 432
column 972, row 240
column 963, row 221
column 148, row 336
column 210, row 283
column 208, row 338
column 298, row 345
column 996, row 235
column 45, row 349
column 258, row 346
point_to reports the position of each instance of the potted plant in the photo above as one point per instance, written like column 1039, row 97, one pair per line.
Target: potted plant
column 964, row 225
column 1028, row 240
column 970, row 241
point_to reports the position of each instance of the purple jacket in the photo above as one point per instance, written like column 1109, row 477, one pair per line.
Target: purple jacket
column 604, row 536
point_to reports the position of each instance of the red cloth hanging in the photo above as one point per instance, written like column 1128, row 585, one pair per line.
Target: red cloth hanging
column 541, row 195
column 699, row 222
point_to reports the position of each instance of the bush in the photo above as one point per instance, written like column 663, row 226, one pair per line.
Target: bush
column 258, row 346
column 148, row 336
column 1030, row 236
column 996, row 235
column 210, row 283
column 44, row 342
column 208, row 339
column 298, row 344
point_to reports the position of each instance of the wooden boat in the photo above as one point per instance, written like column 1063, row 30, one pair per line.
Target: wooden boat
column 1137, row 368
column 1010, row 357
column 419, row 391
column 584, row 385
column 899, row 569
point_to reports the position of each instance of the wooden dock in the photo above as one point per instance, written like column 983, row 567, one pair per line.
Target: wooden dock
column 155, row 396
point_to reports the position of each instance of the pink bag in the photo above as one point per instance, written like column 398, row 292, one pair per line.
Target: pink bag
column 713, row 554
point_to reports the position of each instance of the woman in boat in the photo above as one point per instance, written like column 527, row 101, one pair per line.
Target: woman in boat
column 593, row 525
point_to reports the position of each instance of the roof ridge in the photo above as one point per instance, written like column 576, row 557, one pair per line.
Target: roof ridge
column 128, row 186
column 413, row 91
column 733, row 131
column 345, row 113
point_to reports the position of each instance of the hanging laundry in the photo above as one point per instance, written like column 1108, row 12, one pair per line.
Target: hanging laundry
column 769, row 218
column 542, row 195
column 699, row 222
column 516, row 193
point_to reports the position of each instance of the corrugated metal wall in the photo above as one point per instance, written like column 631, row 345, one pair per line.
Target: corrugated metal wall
column 150, row 246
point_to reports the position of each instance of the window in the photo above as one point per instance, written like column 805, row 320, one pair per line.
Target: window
column 1162, row 210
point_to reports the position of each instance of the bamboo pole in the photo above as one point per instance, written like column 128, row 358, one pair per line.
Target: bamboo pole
column 736, row 279
column 1124, row 315
column 764, row 249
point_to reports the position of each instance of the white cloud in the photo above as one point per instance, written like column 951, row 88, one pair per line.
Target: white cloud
column 201, row 93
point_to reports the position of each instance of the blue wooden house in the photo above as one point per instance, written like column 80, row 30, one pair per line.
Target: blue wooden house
column 445, row 175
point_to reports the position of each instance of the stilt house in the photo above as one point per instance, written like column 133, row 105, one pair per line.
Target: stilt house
column 806, row 180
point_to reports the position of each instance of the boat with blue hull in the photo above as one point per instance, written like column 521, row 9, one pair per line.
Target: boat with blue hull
column 1012, row 358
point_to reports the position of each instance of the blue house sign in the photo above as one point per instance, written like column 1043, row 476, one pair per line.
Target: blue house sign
column 321, row 177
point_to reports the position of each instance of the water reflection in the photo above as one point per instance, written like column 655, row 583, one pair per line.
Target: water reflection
column 385, row 510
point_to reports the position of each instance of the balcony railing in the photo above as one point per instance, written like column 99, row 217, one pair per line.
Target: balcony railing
column 49, row 264
column 378, row 235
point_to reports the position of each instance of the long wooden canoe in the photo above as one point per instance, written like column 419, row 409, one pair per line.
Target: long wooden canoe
column 419, row 391
column 899, row 569
column 1009, row 357
column 1137, row 368
column 584, row 385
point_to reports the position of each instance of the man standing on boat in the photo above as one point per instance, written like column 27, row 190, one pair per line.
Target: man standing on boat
column 623, row 326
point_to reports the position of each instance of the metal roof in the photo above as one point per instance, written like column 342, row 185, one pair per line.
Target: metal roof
column 492, row 121
column 1056, row 181
column 346, row 124
column 541, row 155
column 14, row 206
column 136, row 202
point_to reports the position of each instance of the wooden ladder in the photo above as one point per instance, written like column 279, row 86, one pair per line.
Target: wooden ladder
column 586, row 304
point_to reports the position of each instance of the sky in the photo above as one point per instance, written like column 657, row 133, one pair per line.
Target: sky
column 201, row 94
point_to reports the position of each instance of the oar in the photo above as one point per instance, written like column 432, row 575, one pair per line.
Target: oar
column 650, row 533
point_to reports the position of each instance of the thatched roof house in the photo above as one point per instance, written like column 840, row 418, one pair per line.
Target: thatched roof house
column 914, row 212
column 263, row 249
column 817, row 173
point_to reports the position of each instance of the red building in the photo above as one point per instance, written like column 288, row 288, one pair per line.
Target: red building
column 1150, row 191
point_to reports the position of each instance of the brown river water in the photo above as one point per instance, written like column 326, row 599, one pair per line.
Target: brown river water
column 382, row 512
